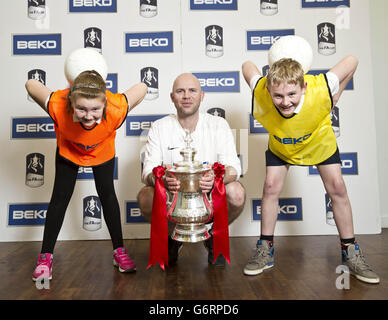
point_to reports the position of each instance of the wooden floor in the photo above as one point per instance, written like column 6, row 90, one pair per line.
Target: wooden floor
column 304, row 269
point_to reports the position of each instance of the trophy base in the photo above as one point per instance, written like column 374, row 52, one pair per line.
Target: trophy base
column 190, row 233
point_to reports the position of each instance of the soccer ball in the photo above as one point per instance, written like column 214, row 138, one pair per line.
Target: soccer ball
column 293, row 47
column 84, row 59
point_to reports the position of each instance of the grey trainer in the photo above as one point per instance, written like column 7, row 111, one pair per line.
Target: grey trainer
column 261, row 259
column 355, row 261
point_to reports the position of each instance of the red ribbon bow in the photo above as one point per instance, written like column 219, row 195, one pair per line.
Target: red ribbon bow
column 220, row 214
column 159, row 234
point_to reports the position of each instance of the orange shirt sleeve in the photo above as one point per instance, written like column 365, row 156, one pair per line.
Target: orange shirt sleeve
column 117, row 108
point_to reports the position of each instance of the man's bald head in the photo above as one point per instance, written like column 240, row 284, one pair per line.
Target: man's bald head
column 185, row 80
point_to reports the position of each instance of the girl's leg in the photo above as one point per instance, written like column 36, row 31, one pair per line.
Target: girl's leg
column 65, row 178
column 103, row 177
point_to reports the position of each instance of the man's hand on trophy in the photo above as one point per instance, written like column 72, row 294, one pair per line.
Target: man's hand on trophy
column 207, row 181
column 170, row 182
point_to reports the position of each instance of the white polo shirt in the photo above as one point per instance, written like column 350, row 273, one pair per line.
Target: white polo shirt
column 212, row 138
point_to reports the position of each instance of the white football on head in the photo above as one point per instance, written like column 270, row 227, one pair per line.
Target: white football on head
column 294, row 47
column 84, row 59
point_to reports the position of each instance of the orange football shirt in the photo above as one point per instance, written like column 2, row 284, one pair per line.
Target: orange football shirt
column 82, row 145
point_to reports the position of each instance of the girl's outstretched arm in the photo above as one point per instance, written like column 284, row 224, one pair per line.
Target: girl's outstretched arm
column 39, row 92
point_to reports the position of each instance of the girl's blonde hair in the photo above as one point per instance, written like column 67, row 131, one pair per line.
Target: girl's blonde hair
column 286, row 70
column 88, row 84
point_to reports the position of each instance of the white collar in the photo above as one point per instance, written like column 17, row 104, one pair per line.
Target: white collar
column 300, row 105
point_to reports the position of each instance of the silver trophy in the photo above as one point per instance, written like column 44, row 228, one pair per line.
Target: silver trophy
column 189, row 208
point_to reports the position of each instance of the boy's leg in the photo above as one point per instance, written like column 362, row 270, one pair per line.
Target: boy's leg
column 273, row 185
column 335, row 187
column 262, row 257
column 351, row 253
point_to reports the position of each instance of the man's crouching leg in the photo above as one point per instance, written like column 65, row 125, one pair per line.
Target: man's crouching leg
column 145, row 198
column 235, row 197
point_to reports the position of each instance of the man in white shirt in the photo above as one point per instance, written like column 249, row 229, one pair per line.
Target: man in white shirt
column 214, row 142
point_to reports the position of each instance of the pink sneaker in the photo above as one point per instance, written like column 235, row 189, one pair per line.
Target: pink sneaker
column 123, row 261
column 44, row 266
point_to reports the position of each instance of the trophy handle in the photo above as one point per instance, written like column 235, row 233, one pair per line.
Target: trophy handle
column 171, row 205
column 209, row 205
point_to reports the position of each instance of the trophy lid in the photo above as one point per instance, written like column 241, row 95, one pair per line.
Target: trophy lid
column 188, row 153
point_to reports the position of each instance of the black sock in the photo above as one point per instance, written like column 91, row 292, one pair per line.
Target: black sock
column 346, row 242
column 267, row 238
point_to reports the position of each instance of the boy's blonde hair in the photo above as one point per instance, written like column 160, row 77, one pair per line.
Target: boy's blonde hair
column 286, row 70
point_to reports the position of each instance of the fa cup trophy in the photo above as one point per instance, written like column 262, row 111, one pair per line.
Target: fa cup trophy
column 189, row 208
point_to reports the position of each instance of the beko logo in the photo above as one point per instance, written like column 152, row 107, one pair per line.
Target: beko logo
column 219, row 81
column 149, row 42
column 27, row 214
column 133, row 213
column 135, row 125
column 92, row 5
column 324, row 3
column 264, row 39
column 32, row 128
column 213, row 4
column 288, row 209
column 349, row 164
column 37, row 44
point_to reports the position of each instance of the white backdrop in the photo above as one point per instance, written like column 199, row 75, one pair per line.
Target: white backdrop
column 23, row 133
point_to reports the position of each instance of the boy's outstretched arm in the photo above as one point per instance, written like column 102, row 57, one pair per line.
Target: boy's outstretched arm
column 136, row 94
column 39, row 92
column 344, row 70
column 250, row 70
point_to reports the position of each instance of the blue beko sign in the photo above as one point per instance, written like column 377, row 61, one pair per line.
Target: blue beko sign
column 324, row 3
column 111, row 82
column 135, row 125
column 30, row 128
column 255, row 126
column 290, row 209
column 149, row 42
column 93, row 6
column 264, row 39
column 86, row 173
column 213, row 4
column 219, row 81
column 133, row 213
column 349, row 164
column 37, row 44
column 27, row 214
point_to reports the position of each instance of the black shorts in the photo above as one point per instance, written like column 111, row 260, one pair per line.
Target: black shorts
column 271, row 160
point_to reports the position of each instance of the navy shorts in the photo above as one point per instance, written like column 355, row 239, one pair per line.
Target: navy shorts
column 272, row 160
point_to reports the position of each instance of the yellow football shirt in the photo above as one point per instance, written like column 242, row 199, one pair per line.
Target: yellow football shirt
column 306, row 138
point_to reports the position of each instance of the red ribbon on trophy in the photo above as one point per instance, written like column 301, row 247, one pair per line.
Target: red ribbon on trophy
column 220, row 214
column 159, row 234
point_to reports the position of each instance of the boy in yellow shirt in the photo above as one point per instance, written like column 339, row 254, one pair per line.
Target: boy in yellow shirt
column 295, row 110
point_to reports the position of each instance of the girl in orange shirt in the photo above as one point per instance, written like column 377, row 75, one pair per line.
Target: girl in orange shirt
column 86, row 118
